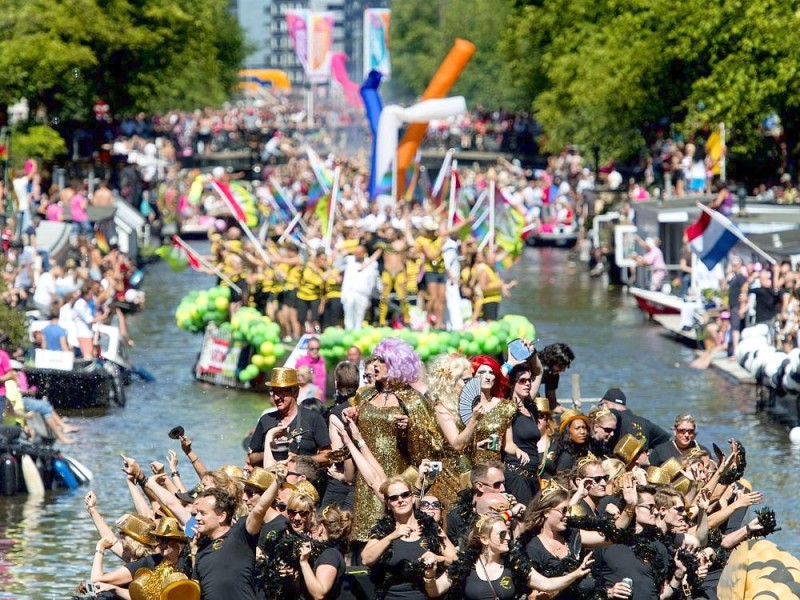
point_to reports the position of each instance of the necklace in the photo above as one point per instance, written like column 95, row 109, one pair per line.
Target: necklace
column 554, row 546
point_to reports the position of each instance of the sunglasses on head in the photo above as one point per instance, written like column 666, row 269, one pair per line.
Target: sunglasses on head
column 300, row 513
column 432, row 504
column 396, row 497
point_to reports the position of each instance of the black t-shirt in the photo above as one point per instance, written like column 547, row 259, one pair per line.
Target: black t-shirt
column 457, row 529
column 602, row 506
column 550, row 381
column 337, row 492
column 766, row 304
column 525, row 433
column 663, row 452
column 151, row 561
column 398, row 584
column 225, row 566
column 735, row 289
column 314, row 433
column 501, row 588
column 272, row 531
column 545, row 562
column 334, row 558
column 618, row 561
column 628, row 422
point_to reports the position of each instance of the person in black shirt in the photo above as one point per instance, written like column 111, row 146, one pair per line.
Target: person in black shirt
column 225, row 561
column 736, row 284
column 765, row 299
column 682, row 444
column 292, row 429
column 322, row 563
column 522, row 469
column 340, row 490
column 630, row 423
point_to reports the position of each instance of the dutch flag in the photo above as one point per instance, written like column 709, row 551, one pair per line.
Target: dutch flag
column 711, row 237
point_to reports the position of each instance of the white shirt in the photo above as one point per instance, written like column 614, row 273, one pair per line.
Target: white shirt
column 82, row 318
column 45, row 289
column 358, row 281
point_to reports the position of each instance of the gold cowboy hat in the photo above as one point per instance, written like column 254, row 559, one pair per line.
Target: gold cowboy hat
column 137, row 589
column 542, row 405
column 568, row 416
column 658, row 476
column 259, row 478
column 138, row 529
column 307, row 488
column 233, row 471
column 283, row 377
column 167, row 527
column 177, row 586
column 628, row 448
column 672, row 467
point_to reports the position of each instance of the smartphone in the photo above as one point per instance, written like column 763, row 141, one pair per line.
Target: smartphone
column 518, row 350
column 628, row 581
column 90, row 589
column 188, row 529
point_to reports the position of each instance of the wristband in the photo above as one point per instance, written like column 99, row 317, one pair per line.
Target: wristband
column 141, row 480
column 748, row 530
column 360, row 444
column 100, row 552
column 507, row 515
column 507, row 367
column 175, row 474
column 196, row 458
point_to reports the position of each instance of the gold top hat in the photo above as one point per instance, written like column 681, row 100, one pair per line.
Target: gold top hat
column 568, row 416
column 138, row 529
column 179, row 587
column 137, row 587
column 283, row 377
column 167, row 527
column 307, row 489
column 658, row 476
column 542, row 405
column 628, row 448
column 672, row 467
column 683, row 484
column 233, row 471
column 259, row 478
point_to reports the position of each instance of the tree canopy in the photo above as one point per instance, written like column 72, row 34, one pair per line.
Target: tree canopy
column 138, row 55
column 612, row 72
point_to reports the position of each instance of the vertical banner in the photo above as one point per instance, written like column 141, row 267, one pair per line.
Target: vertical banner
column 320, row 42
column 297, row 23
column 376, row 41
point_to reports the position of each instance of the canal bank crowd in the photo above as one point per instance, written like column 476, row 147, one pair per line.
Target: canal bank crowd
column 458, row 478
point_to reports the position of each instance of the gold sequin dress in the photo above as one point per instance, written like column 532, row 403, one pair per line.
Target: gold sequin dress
column 496, row 421
column 455, row 463
column 378, row 427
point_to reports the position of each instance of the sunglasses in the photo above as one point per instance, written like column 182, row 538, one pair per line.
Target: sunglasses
column 281, row 506
column 435, row 505
column 396, row 497
column 495, row 486
column 563, row 510
column 685, row 431
column 503, row 536
column 524, row 380
column 249, row 491
column 607, row 429
column 652, row 508
column 679, row 509
column 299, row 513
column 597, row 478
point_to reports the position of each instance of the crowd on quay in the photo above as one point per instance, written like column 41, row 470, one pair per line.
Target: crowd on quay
column 394, row 489
column 92, row 283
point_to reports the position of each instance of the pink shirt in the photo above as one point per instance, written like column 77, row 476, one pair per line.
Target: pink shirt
column 77, row 207
column 54, row 212
column 318, row 368
column 5, row 367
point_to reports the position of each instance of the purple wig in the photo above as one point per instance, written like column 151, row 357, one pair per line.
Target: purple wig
column 403, row 363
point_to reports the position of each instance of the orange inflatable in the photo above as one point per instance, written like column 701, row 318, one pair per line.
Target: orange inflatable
column 440, row 85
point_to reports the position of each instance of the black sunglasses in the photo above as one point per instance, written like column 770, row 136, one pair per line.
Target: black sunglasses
column 281, row 506
column 250, row 491
column 607, row 429
column 302, row 513
column 396, row 497
column 496, row 485
column 435, row 505
column 598, row 478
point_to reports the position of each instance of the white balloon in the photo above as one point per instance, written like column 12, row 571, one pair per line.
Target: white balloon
column 794, row 435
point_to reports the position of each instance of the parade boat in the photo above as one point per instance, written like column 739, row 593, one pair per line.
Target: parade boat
column 656, row 303
column 70, row 383
column 561, row 237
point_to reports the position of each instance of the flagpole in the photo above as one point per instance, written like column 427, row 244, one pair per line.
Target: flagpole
column 723, row 163
column 722, row 220
column 491, row 213
column 289, row 228
column 242, row 224
column 189, row 250
column 332, row 209
column 451, row 212
column 395, row 183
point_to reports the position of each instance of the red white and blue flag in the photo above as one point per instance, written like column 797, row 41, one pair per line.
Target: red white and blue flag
column 711, row 237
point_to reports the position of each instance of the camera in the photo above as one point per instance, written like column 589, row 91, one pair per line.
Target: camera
column 435, row 469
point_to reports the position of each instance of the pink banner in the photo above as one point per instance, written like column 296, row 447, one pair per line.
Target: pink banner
column 297, row 22
column 319, row 54
column 352, row 91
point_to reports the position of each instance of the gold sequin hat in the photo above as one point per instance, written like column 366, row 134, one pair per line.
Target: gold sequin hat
column 568, row 416
column 233, row 471
column 136, row 589
column 259, row 478
column 628, row 448
column 307, row 488
column 683, row 484
column 138, row 529
column 283, row 377
column 167, row 527
column 179, row 587
column 672, row 467
column 542, row 405
column 658, row 476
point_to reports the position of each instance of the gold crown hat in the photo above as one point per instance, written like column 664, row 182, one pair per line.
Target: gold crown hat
column 233, row 471
column 138, row 529
column 683, row 484
column 658, row 476
column 283, row 377
column 672, row 467
column 179, row 587
column 307, row 488
column 167, row 527
column 259, row 478
column 550, row 487
column 542, row 405
column 136, row 589
column 628, row 448
column 568, row 416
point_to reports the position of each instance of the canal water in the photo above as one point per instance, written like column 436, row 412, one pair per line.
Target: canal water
column 46, row 548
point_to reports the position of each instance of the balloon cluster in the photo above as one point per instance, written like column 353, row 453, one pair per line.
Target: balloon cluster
column 262, row 334
column 174, row 256
column 201, row 307
column 482, row 338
